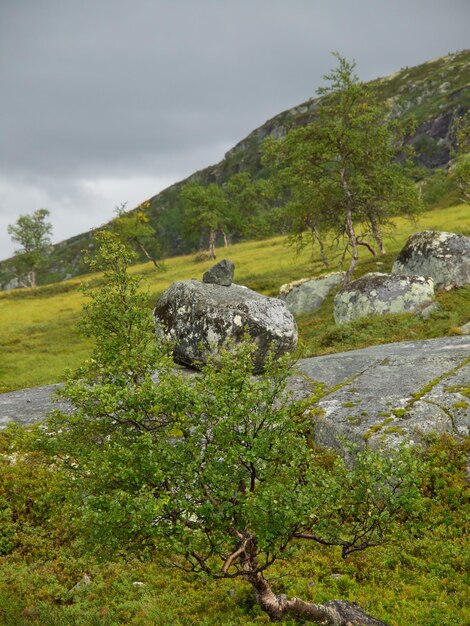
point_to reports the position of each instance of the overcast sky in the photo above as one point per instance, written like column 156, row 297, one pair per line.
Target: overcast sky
column 110, row 101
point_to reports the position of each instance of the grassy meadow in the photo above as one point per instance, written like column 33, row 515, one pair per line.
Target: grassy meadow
column 39, row 338
column 49, row 575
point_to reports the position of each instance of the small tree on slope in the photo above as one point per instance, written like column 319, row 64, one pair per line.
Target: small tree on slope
column 206, row 213
column 218, row 470
column 33, row 234
column 340, row 174
column 134, row 230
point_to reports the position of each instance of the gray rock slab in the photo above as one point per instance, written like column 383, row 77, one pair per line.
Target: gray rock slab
column 27, row 406
column 372, row 391
column 368, row 395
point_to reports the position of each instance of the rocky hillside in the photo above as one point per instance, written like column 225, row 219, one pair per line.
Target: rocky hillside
column 434, row 93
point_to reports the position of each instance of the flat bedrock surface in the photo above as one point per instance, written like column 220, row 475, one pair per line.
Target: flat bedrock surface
column 394, row 390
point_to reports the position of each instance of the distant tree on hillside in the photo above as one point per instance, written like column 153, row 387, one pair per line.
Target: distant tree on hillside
column 134, row 230
column 33, row 234
column 206, row 214
column 341, row 173
column 250, row 205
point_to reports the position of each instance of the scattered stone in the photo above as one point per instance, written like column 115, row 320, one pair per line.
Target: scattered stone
column 465, row 329
column 84, row 582
column 288, row 287
column 444, row 257
column 199, row 317
column 308, row 294
column 137, row 583
column 429, row 310
column 376, row 294
column 220, row 274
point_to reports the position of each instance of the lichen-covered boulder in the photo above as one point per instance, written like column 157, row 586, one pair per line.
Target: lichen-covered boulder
column 444, row 257
column 199, row 317
column 308, row 294
column 376, row 294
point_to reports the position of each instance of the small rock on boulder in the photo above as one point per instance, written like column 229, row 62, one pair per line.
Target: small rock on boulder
column 444, row 257
column 308, row 294
column 199, row 317
column 376, row 294
column 220, row 274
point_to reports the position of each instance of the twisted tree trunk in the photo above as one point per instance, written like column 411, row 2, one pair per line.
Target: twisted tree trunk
column 212, row 237
column 376, row 233
column 351, row 233
column 333, row 613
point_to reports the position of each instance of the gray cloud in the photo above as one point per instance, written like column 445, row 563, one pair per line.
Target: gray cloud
column 109, row 101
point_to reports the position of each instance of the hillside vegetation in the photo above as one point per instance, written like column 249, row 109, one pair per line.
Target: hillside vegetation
column 434, row 94
column 39, row 339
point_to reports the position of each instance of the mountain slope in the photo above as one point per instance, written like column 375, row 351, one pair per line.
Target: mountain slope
column 434, row 93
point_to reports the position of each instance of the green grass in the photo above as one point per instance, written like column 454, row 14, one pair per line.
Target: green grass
column 39, row 339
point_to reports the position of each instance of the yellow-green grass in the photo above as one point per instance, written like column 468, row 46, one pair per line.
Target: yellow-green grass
column 39, row 338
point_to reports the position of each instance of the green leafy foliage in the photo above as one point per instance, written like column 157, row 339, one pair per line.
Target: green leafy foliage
column 206, row 213
column 32, row 233
column 116, row 403
column 135, row 230
column 343, row 172
column 250, row 204
column 246, row 474
column 217, row 470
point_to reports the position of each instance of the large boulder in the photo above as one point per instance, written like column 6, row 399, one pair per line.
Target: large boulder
column 199, row 317
column 308, row 294
column 376, row 294
column 444, row 257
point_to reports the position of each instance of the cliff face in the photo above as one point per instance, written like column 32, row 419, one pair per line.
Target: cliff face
column 433, row 93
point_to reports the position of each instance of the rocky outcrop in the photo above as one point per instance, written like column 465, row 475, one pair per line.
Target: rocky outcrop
column 376, row 294
column 444, row 257
column 199, row 317
column 390, row 393
column 308, row 294
column 382, row 394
